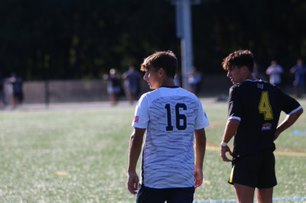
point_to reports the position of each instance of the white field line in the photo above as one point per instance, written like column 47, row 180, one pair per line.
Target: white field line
column 277, row 153
column 283, row 199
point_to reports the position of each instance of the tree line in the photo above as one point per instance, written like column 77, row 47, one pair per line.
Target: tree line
column 78, row 39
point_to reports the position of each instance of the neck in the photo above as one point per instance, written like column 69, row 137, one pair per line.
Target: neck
column 249, row 77
column 168, row 83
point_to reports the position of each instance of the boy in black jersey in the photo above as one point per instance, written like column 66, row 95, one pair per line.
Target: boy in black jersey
column 254, row 110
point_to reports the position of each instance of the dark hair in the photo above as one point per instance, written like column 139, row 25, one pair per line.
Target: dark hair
column 161, row 59
column 239, row 58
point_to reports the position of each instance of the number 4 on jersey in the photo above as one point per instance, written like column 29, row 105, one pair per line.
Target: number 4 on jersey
column 264, row 106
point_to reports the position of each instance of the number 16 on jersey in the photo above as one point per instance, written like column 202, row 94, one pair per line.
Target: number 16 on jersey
column 180, row 118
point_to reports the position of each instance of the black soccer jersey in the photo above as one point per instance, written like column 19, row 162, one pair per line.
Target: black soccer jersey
column 257, row 105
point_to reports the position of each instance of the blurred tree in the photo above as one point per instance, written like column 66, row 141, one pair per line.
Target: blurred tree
column 271, row 29
column 72, row 39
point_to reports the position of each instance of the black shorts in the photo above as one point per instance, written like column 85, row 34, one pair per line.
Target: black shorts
column 257, row 171
column 171, row 195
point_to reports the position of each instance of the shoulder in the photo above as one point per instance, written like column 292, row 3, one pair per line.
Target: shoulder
column 149, row 96
column 244, row 87
column 143, row 97
column 234, row 87
column 151, row 93
column 187, row 94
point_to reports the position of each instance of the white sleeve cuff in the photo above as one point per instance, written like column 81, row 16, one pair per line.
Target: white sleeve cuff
column 295, row 110
column 234, row 118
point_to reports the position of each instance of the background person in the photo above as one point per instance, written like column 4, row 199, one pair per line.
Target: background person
column 174, row 120
column 2, row 95
column 17, row 88
column 298, row 72
column 131, row 83
column 195, row 81
column 275, row 71
column 113, row 85
column 254, row 110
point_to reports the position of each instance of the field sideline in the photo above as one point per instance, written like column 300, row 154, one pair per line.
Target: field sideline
column 78, row 153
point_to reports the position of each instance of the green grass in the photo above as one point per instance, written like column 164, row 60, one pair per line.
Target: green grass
column 81, row 156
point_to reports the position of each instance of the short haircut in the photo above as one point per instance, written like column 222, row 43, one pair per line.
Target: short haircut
column 161, row 59
column 239, row 58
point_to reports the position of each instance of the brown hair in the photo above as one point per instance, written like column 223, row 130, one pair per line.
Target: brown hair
column 239, row 58
column 161, row 59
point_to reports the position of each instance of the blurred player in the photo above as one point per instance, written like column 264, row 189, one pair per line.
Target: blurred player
column 174, row 120
column 275, row 71
column 131, row 83
column 254, row 110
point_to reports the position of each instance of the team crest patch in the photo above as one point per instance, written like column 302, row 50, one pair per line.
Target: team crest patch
column 266, row 126
column 136, row 119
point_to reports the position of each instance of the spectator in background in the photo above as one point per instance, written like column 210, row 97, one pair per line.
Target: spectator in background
column 195, row 80
column 7, row 91
column 299, row 77
column 178, row 79
column 257, row 72
column 113, row 85
column 274, row 71
column 131, row 83
column 2, row 96
column 17, row 88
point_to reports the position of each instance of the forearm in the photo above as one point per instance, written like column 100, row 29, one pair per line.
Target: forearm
column 287, row 122
column 134, row 151
column 200, row 148
column 230, row 130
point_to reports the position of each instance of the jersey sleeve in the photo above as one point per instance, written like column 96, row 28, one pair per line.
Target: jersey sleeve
column 201, row 119
column 234, row 104
column 290, row 105
column 141, row 116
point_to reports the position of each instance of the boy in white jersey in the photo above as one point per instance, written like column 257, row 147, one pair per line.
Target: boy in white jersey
column 174, row 121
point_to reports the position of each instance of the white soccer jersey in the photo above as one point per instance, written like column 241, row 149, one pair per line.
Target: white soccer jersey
column 170, row 116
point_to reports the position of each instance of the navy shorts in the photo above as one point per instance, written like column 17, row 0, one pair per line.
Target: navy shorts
column 257, row 171
column 171, row 195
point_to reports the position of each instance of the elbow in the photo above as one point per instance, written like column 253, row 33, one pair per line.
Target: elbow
column 136, row 140
column 296, row 115
column 200, row 136
column 299, row 113
column 203, row 140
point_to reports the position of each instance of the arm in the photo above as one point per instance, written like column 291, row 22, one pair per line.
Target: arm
column 134, row 152
column 200, row 147
column 229, row 132
column 287, row 122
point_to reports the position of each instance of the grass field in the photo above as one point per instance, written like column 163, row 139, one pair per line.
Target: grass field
column 80, row 155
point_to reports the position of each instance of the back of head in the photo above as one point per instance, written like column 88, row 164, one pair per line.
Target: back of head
column 161, row 59
column 239, row 58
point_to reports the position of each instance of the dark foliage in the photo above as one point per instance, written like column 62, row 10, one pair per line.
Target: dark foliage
column 61, row 39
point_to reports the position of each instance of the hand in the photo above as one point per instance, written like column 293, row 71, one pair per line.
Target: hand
column 198, row 178
column 133, row 181
column 224, row 150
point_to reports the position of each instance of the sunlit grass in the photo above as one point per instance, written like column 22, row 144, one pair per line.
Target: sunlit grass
column 81, row 156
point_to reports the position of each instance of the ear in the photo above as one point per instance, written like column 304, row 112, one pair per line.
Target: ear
column 161, row 72
column 245, row 69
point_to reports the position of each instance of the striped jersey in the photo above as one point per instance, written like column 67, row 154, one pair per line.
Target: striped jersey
column 170, row 116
